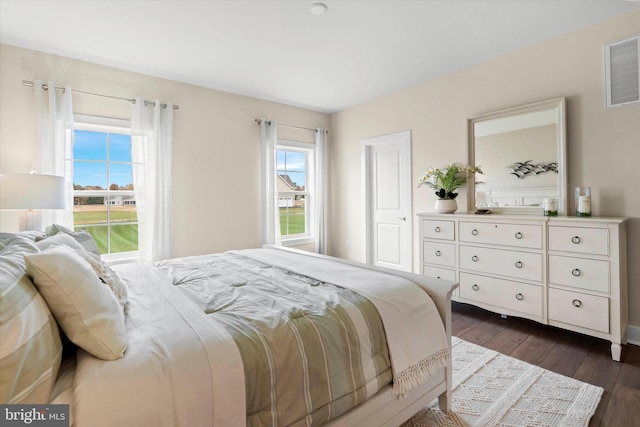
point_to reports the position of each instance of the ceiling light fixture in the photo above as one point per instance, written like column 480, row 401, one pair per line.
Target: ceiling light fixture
column 318, row 8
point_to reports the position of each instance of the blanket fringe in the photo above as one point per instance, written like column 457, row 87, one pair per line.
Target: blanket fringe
column 417, row 374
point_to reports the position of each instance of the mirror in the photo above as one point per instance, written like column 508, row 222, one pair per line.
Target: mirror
column 522, row 152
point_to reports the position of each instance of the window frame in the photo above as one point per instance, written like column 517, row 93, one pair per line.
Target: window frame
column 114, row 126
column 309, row 150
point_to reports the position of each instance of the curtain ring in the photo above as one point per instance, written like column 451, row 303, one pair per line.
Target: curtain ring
column 133, row 101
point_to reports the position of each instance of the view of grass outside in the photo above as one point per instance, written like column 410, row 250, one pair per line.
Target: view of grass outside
column 292, row 221
column 122, row 233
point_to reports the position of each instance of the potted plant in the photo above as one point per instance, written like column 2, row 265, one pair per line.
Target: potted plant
column 446, row 181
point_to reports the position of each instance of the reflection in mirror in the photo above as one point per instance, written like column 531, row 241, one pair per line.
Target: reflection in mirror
column 522, row 153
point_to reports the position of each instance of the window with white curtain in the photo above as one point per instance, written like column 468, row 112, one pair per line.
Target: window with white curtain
column 103, row 196
column 295, row 182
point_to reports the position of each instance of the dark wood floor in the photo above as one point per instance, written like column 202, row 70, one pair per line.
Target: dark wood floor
column 574, row 355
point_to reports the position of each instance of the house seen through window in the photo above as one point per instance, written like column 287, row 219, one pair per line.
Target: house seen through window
column 104, row 200
column 294, row 181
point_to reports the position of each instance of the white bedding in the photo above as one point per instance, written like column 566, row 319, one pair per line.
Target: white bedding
column 181, row 369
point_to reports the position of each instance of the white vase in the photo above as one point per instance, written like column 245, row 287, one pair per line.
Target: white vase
column 445, row 206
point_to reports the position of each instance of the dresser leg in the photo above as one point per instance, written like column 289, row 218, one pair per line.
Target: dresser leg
column 616, row 351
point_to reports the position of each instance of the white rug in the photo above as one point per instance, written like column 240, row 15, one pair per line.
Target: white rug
column 491, row 389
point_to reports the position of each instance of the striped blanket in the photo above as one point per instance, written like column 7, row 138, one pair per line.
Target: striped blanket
column 297, row 337
column 311, row 350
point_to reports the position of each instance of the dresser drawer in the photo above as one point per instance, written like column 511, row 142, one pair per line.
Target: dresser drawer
column 518, row 235
column 434, row 229
column 580, row 273
column 519, row 265
column 439, row 253
column 515, row 296
column 592, row 241
column 439, row 272
column 586, row 311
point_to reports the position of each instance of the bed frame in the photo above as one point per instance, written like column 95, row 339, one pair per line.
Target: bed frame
column 384, row 409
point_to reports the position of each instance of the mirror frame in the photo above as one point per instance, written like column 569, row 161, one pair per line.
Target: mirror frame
column 556, row 103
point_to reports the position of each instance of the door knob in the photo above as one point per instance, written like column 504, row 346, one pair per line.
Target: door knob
column 403, row 218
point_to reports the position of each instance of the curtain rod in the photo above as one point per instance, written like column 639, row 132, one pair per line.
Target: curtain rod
column 133, row 101
column 258, row 121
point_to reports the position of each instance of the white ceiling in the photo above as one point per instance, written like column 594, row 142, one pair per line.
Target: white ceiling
column 279, row 51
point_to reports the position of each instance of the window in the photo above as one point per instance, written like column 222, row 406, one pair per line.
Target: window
column 294, row 180
column 104, row 200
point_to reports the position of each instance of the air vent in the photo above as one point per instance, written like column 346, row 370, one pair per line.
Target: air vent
column 622, row 72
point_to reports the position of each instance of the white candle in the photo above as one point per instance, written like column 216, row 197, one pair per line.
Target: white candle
column 584, row 204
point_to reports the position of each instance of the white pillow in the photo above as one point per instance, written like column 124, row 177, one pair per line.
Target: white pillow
column 58, row 239
column 86, row 310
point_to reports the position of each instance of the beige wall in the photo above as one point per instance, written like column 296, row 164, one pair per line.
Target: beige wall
column 216, row 142
column 603, row 145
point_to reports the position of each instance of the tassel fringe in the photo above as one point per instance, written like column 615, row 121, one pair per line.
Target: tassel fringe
column 417, row 374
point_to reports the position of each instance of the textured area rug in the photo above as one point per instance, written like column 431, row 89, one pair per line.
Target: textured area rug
column 491, row 389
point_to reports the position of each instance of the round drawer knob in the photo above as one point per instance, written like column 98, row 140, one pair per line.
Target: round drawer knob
column 519, row 264
column 576, row 240
column 577, row 303
column 474, row 232
column 438, row 253
column 475, row 287
column 519, row 296
column 437, row 229
column 519, row 235
column 576, row 272
column 474, row 258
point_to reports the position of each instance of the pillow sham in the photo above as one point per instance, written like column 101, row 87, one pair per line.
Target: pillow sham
column 81, row 236
column 30, row 345
column 86, row 310
column 57, row 240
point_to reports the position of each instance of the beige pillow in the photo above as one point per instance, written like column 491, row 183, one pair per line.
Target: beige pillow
column 86, row 310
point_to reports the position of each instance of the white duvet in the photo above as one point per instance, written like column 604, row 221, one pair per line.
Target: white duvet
column 181, row 369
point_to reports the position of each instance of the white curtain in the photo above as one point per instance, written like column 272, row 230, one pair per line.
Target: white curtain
column 152, row 153
column 269, row 193
column 53, row 152
column 321, row 192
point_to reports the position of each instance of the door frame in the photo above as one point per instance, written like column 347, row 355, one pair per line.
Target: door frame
column 404, row 139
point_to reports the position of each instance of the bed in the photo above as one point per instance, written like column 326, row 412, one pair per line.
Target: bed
column 256, row 337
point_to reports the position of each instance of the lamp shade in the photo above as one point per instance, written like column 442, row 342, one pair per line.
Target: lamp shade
column 31, row 191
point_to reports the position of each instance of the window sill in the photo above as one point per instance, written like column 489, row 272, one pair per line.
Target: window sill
column 298, row 241
column 120, row 258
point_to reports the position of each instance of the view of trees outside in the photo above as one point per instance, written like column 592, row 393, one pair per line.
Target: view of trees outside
column 102, row 164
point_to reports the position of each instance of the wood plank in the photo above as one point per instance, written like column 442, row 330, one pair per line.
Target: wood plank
column 630, row 372
column 568, row 354
column 512, row 336
column 623, row 408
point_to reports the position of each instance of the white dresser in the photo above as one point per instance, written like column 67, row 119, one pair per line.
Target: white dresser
column 563, row 271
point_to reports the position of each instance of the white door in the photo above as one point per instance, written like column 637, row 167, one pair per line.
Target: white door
column 387, row 184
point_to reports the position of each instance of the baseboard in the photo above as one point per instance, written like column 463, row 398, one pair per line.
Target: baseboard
column 633, row 335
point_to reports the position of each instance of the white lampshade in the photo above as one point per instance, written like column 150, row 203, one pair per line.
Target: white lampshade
column 31, row 191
